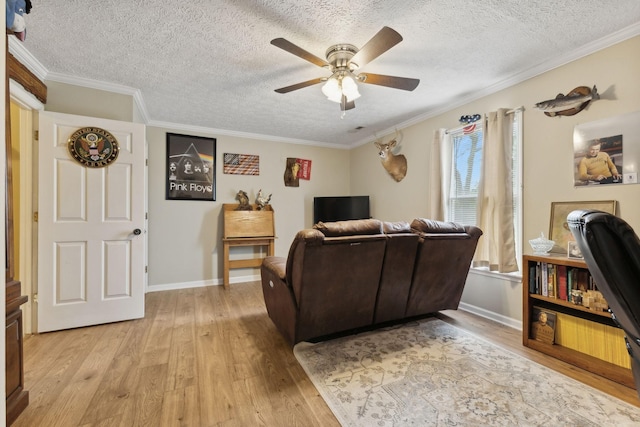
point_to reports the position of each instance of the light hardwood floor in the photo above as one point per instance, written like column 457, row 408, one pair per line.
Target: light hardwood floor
column 201, row 357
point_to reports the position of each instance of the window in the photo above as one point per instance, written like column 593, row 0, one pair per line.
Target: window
column 466, row 173
column 517, row 182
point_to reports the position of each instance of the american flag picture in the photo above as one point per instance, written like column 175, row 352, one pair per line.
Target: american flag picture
column 469, row 129
column 241, row 164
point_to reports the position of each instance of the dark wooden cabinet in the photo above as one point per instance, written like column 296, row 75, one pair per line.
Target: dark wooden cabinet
column 17, row 396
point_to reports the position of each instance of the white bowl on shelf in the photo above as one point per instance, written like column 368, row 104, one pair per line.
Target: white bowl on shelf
column 541, row 245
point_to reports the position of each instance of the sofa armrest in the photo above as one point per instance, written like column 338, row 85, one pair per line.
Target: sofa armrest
column 278, row 297
column 276, row 266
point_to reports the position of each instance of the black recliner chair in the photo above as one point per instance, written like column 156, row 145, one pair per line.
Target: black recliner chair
column 611, row 250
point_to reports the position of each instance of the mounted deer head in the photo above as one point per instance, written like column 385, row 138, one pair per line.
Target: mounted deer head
column 395, row 164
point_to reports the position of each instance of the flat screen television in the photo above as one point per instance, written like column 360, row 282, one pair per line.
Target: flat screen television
column 340, row 208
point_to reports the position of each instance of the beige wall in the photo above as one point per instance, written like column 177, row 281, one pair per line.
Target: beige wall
column 390, row 200
column 184, row 236
column 83, row 101
column 547, row 154
column 185, row 245
column 548, row 143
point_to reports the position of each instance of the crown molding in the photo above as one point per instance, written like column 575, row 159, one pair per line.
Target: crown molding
column 23, row 97
column 19, row 51
column 553, row 63
column 237, row 134
column 136, row 94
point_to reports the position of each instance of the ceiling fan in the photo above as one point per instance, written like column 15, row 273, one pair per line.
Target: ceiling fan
column 344, row 60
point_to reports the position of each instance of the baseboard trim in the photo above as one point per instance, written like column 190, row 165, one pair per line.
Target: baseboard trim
column 496, row 317
column 200, row 283
column 479, row 311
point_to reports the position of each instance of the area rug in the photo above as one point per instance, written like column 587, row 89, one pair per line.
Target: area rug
column 429, row 373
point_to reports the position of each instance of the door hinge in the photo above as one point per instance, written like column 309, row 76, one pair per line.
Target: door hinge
column 146, row 215
column 36, row 135
column 35, row 297
column 146, row 162
column 35, row 217
column 146, row 269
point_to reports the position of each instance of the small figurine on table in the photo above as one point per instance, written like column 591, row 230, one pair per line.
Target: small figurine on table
column 244, row 201
column 262, row 201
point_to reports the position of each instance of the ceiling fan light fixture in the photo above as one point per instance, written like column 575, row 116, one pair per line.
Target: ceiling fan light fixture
column 350, row 88
column 331, row 89
column 341, row 84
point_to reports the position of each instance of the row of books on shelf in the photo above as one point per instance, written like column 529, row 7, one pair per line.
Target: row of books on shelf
column 571, row 284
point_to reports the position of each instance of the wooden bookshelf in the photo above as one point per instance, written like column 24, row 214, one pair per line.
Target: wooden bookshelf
column 595, row 344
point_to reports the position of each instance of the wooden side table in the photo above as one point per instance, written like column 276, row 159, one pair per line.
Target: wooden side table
column 244, row 263
column 246, row 228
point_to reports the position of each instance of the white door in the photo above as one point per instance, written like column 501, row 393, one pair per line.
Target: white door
column 91, row 241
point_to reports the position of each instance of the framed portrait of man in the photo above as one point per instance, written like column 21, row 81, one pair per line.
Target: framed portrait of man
column 559, row 228
column 607, row 151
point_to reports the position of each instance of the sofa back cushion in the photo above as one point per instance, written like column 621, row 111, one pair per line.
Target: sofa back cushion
column 423, row 225
column 397, row 271
column 396, row 227
column 350, row 228
column 445, row 252
column 335, row 279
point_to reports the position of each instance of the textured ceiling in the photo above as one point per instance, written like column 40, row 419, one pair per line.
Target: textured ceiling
column 210, row 64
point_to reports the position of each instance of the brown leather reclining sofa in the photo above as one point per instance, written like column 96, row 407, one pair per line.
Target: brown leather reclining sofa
column 345, row 275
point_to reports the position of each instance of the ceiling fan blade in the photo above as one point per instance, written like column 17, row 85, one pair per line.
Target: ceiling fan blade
column 403, row 83
column 298, row 51
column 346, row 105
column 301, row 85
column 384, row 40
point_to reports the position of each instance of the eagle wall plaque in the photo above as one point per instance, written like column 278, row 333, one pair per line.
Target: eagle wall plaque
column 93, row 147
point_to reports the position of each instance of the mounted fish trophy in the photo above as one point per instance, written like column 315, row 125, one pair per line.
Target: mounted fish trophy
column 570, row 104
column 395, row 164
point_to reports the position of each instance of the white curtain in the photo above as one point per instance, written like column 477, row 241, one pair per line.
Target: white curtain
column 497, row 247
column 439, row 178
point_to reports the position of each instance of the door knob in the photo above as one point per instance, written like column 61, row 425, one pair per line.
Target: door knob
column 137, row 231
